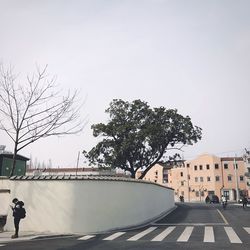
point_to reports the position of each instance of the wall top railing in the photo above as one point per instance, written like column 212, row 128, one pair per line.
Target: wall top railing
column 80, row 178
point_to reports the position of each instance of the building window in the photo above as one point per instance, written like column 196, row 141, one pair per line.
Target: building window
column 229, row 177
column 225, row 166
column 208, row 178
column 201, row 167
column 241, row 178
column 197, row 193
column 156, row 172
column 236, row 165
column 196, row 179
column 188, row 165
column 216, row 166
column 182, row 183
column 202, row 193
column 181, row 174
column 201, row 179
column 195, row 167
column 208, row 167
column 189, row 176
column 217, row 178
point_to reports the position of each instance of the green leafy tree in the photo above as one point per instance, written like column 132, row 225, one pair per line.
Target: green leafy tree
column 137, row 136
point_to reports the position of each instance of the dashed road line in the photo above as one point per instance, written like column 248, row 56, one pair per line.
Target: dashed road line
column 164, row 234
column 189, row 224
column 247, row 229
column 114, row 236
column 86, row 237
column 233, row 237
column 208, row 234
column 143, row 233
column 185, row 234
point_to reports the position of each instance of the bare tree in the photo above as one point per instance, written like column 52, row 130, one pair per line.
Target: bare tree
column 36, row 109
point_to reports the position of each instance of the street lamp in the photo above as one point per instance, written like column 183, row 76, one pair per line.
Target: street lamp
column 236, row 180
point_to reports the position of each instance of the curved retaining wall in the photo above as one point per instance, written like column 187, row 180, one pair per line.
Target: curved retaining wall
column 86, row 205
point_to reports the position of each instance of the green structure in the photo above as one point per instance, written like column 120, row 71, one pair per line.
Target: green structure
column 6, row 161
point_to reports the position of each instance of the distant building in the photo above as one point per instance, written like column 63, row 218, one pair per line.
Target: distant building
column 247, row 163
column 159, row 173
column 6, row 162
column 75, row 171
column 203, row 176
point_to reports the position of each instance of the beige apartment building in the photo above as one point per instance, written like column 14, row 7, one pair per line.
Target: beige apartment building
column 205, row 175
column 159, row 173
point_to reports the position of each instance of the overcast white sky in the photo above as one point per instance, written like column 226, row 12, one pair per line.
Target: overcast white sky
column 190, row 55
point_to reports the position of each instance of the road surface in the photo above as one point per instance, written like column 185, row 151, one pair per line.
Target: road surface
column 190, row 226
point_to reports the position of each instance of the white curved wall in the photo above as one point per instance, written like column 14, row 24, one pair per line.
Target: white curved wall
column 85, row 206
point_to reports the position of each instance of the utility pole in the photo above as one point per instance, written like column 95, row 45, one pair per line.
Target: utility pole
column 77, row 162
column 246, row 158
column 188, row 187
column 236, row 179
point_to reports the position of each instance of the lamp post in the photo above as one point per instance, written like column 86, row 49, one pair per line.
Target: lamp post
column 77, row 162
column 236, row 179
column 188, row 187
column 246, row 158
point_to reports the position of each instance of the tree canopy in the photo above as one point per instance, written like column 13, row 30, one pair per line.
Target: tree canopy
column 137, row 136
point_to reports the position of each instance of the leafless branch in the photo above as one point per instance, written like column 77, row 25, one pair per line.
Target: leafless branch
column 36, row 109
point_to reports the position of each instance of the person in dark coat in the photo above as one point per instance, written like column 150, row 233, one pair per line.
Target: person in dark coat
column 244, row 202
column 17, row 214
column 207, row 200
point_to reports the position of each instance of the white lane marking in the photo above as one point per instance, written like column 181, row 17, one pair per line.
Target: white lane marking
column 143, row 233
column 233, row 237
column 114, row 236
column 186, row 234
column 86, row 237
column 247, row 229
column 222, row 216
column 189, row 224
column 208, row 234
column 164, row 234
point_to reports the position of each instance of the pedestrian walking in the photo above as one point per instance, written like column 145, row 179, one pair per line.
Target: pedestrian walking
column 224, row 201
column 244, row 202
column 18, row 214
column 207, row 200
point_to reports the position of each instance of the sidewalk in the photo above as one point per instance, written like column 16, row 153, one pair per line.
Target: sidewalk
column 5, row 237
column 240, row 205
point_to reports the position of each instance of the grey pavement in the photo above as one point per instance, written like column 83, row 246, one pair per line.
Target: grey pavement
column 5, row 237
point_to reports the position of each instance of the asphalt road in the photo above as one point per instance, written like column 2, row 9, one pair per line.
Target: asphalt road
column 190, row 226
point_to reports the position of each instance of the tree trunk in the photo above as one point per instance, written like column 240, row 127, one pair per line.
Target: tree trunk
column 14, row 161
column 132, row 174
column 145, row 172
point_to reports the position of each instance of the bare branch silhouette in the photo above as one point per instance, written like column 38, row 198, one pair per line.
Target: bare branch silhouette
column 36, row 109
